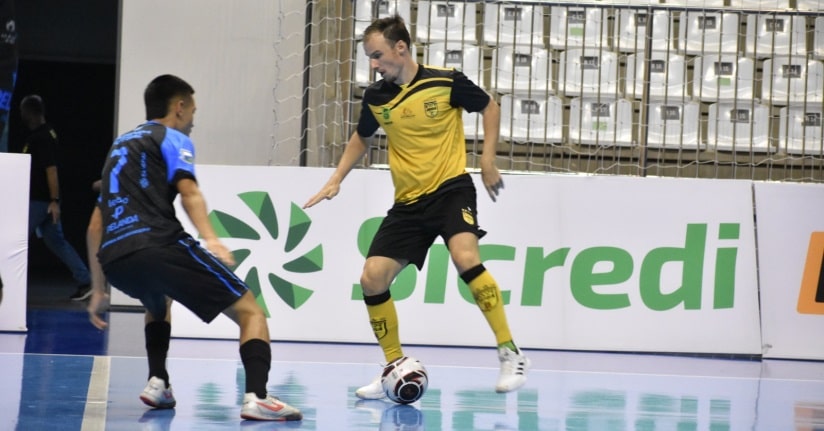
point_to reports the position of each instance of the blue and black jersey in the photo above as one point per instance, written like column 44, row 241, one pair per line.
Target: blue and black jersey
column 139, row 186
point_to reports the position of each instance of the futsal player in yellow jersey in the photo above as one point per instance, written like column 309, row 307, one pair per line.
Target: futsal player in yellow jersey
column 420, row 109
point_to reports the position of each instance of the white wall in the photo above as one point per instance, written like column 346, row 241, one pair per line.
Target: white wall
column 244, row 60
column 14, row 239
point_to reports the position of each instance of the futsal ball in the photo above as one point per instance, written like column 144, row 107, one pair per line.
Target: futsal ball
column 404, row 380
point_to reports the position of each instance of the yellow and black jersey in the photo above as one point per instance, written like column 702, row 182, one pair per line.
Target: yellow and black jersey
column 424, row 127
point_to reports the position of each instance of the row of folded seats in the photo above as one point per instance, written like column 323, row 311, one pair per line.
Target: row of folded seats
column 784, row 80
column 730, row 126
column 532, row 109
column 689, row 31
column 596, row 77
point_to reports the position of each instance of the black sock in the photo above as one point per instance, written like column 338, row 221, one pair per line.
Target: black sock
column 256, row 356
column 157, row 347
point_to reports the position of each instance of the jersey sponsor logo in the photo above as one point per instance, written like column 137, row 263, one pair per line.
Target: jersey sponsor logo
column 119, row 200
column 122, row 223
column 407, row 113
column 186, row 156
column 811, row 296
column 384, row 114
column 431, row 108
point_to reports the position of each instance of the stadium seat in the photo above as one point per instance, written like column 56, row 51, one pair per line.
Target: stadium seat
column 703, row 33
column 577, row 27
column 513, row 24
column 588, row 71
column 810, row 5
column 630, row 30
column 800, row 131
column 770, row 34
column 365, row 12
column 600, row 122
column 722, row 78
column 740, row 127
column 666, row 76
column 439, row 21
column 792, row 80
column 637, row 2
column 363, row 74
column 520, row 69
column 818, row 38
column 673, row 126
column 531, row 119
column 765, row 5
column 695, row 3
column 464, row 57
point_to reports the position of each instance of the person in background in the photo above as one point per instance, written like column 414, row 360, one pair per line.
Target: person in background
column 144, row 251
column 420, row 109
column 44, row 192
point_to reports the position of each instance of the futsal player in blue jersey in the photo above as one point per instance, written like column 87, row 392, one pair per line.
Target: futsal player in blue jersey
column 145, row 252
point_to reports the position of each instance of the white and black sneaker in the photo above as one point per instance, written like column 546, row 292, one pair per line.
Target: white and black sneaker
column 514, row 365
column 82, row 293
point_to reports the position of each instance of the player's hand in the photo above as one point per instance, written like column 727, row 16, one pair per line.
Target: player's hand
column 327, row 192
column 98, row 304
column 493, row 181
column 220, row 251
column 54, row 210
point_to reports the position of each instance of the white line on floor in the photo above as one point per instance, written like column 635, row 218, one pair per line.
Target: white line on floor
column 97, row 399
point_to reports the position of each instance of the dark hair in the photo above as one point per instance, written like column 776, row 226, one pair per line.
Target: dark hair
column 160, row 92
column 392, row 28
column 33, row 104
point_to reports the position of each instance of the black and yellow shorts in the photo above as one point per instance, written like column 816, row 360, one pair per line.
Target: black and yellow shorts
column 408, row 230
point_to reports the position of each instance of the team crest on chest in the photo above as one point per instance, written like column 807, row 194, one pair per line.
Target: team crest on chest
column 431, row 108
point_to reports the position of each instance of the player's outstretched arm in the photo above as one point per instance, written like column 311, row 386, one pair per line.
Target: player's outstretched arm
column 195, row 206
column 353, row 153
column 99, row 301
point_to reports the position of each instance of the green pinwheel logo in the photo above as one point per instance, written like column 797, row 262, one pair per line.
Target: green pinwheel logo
column 229, row 226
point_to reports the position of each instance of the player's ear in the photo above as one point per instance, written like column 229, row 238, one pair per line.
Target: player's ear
column 401, row 46
column 179, row 105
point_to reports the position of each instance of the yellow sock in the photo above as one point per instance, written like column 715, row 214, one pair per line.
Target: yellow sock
column 488, row 297
column 384, row 320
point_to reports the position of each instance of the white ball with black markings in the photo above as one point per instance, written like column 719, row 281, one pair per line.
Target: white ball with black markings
column 404, row 380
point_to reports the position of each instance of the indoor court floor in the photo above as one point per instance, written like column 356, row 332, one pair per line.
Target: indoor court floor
column 65, row 375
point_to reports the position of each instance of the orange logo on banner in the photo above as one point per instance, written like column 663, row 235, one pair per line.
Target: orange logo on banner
column 809, row 416
column 811, row 298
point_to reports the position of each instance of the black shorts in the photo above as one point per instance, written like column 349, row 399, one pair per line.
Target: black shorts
column 408, row 230
column 183, row 271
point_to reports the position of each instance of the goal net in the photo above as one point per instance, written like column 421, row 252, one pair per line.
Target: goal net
column 728, row 89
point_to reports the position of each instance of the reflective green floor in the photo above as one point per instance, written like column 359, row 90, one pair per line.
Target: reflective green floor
column 47, row 386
